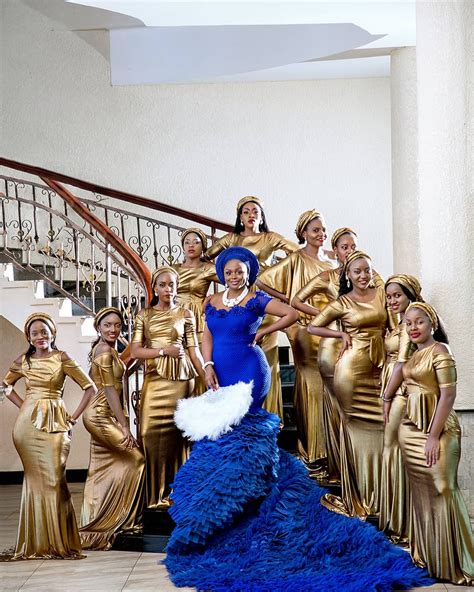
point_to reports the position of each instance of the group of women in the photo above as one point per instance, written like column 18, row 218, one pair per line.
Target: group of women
column 374, row 391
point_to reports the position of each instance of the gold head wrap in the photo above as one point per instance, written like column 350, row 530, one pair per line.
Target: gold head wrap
column 103, row 312
column 200, row 234
column 338, row 233
column 163, row 269
column 407, row 281
column 44, row 318
column 247, row 199
column 352, row 257
column 428, row 310
column 303, row 221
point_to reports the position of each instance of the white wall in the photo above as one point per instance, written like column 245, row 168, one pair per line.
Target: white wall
column 322, row 144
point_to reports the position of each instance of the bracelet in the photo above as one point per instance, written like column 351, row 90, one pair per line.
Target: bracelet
column 72, row 420
column 204, row 366
column 386, row 399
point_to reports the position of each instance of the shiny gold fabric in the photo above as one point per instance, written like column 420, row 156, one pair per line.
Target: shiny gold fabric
column 166, row 381
column 47, row 526
column 395, row 505
column 263, row 245
column 325, row 286
column 113, row 493
column 357, row 388
column 287, row 277
column 441, row 536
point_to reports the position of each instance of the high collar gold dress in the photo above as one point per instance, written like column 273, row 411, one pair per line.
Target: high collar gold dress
column 263, row 246
column 287, row 277
column 357, row 388
column 441, row 534
column 41, row 435
column 113, row 494
column 167, row 380
column 321, row 289
column 395, row 497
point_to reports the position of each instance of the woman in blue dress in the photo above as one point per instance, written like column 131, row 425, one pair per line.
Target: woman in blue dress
column 247, row 515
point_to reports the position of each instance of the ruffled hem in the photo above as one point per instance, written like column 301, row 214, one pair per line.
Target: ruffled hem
column 174, row 368
column 50, row 415
column 421, row 409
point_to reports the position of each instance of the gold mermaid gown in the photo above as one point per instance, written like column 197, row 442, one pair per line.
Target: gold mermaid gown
column 287, row 277
column 357, row 389
column 263, row 246
column 113, row 494
column 395, row 497
column 48, row 528
column 325, row 286
column 194, row 284
column 441, row 535
column 167, row 380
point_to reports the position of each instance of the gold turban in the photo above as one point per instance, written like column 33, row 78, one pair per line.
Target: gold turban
column 352, row 257
column 163, row 269
column 338, row 233
column 44, row 318
column 103, row 312
column 248, row 199
column 303, row 221
column 200, row 234
column 428, row 310
column 407, row 281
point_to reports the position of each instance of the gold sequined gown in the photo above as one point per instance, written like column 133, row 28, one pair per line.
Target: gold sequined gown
column 263, row 246
column 113, row 494
column 395, row 497
column 325, row 288
column 357, row 388
column 287, row 277
column 441, row 536
column 194, row 284
column 48, row 528
column 167, row 380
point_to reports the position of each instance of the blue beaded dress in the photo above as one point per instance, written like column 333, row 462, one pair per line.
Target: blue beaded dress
column 248, row 517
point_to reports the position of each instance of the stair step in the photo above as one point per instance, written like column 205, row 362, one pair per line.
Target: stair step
column 157, row 521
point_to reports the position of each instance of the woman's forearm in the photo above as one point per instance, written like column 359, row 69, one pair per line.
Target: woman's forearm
column 14, row 398
column 196, row 359
column 86, row 397
column 207, row 345
column 324, row 332
column 395, row 381
column 304, row 307
column 113, row 400
column 273, row 293
column 138, row 352
column 443, row 409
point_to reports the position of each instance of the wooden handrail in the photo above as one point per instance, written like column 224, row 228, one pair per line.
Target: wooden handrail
column 115, row 193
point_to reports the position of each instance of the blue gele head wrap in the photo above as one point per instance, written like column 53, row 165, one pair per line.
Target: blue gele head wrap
column 241, row 254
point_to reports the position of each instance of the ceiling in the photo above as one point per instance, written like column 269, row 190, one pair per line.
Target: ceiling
column 232, row 40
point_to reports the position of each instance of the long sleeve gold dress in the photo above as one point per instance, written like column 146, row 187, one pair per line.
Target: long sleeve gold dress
column 193, row 287
column 441, row 536
column 41, row 435
column 167, row 380
column 357, row 388
column 395, row 497
column 287, row 277
column 263, row 246
column 113, row 494
column 325, row 288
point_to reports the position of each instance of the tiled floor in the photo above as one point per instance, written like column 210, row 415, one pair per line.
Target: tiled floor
column 111, row 571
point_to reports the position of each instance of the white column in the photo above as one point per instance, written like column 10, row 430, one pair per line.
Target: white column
column 404, row 115
column 445, row 110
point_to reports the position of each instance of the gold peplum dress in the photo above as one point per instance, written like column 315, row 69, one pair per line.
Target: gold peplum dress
column 357, row 389
column 113, row 494
column 395, row 497
column 167, row 380
column 194, row 284
column 48, row 528
column 326, row 286
column 441, row 536
column 263, row 246
column 287, row 277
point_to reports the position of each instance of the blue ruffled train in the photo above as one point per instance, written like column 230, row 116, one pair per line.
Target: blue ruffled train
column 248, row 519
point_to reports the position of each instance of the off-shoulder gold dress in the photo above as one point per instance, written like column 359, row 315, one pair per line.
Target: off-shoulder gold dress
column 48, row 527
column 194, row 283
column 167, row 380
column 287, row 277
column 113, row 494
column 395, row 497
column 357, row 388
column 441, row 535
column 263, row 246
column 326, row 286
